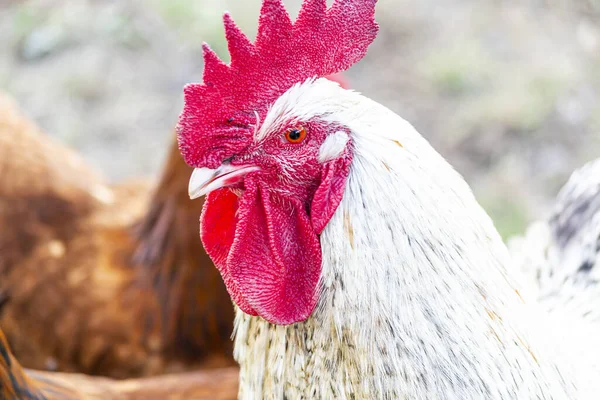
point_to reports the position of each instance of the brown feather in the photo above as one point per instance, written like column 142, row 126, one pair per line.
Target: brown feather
column 16, row 383
column 99, row 279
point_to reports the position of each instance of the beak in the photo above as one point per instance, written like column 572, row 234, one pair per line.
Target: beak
column 205, row 180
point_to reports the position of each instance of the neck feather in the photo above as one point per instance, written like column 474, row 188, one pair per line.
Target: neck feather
column 415, row 301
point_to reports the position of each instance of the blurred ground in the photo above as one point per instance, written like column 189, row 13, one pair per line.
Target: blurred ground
column 508, row 91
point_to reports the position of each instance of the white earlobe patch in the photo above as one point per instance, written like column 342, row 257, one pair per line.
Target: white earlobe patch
column 333, row 146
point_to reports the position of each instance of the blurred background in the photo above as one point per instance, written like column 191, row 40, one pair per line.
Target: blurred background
column 508, row 91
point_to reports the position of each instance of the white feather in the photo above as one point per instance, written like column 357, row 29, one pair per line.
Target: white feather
column 417, row 301
column 333, row 146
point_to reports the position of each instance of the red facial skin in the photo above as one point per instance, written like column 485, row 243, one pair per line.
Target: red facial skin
column 340, row 80
column 265, row 243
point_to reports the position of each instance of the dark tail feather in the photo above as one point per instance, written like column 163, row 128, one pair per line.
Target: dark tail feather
column 14, row 383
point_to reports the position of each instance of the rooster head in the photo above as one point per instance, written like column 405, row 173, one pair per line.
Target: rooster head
column 273, row 166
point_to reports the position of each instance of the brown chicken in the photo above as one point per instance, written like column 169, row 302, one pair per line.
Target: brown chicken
column 16, row 383
column 98, row 279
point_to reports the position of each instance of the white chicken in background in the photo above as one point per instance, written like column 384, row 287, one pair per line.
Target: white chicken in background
column 561, row 256
column 360, row 262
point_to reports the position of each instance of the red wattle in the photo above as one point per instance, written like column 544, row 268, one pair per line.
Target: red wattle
column 330, row 192
column 217, row 230
column 273, row 264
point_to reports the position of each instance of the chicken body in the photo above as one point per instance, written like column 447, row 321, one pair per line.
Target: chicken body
column 560, row 256
column 100, row 279
column 19, row 384
column 416, row 298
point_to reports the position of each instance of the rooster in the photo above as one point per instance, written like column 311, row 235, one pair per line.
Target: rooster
column 359, row 261
column 19, row 384
column 99, row 279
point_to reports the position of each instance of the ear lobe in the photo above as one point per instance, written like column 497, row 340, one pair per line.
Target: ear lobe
column 217, row 224
column 330, row 192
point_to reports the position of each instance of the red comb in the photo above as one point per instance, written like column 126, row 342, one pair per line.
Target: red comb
column 219, row 115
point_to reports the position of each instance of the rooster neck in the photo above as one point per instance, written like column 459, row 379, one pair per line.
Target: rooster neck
column 415, row 299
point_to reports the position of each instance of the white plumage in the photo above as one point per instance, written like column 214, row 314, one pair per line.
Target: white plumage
column 417, row 296
column 560, row 256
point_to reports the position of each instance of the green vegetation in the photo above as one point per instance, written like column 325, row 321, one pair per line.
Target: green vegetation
column 508, row 215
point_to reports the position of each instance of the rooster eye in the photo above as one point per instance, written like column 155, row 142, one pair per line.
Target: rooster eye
column 295, row 135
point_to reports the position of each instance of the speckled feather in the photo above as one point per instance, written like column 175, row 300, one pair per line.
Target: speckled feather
column 564, row 250
column 417, row 300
